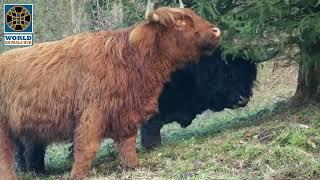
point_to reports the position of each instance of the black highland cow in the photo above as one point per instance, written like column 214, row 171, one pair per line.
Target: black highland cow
column 212, row 84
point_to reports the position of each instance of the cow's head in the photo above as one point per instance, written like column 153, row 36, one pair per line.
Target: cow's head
column 179, row 32
column 224, row 83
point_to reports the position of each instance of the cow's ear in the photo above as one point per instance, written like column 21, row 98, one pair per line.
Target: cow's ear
column 143, row 35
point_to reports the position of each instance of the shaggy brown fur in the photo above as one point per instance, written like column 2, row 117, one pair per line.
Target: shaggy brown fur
column 95, row 85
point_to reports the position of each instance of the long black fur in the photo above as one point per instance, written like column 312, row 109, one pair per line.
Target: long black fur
column 215, row 83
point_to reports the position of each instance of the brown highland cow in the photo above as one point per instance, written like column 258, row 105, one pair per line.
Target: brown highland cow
column 95, row 85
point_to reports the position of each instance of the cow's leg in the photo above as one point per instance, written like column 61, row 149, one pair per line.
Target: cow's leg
column 19, row 155
column 127, row 152
column 87, row 138
column 150, row 134
column 34, row 156
column 7, row 170
column 30, row 156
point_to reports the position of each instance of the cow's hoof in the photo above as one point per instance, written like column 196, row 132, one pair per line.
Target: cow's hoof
column 130, row 166
column 151, row 142
column 151, row 146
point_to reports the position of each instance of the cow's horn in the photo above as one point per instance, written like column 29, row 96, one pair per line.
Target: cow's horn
column 150, row 8
column 181, row 4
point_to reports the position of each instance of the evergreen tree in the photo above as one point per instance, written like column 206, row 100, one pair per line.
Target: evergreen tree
column 263, row 29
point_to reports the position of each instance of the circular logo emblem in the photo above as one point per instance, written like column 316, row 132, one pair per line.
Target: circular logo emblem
column 18, row 18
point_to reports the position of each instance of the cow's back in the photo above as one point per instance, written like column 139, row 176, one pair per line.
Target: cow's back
column 39, row 88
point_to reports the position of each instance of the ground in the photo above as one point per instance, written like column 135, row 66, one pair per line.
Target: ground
column 261, row 141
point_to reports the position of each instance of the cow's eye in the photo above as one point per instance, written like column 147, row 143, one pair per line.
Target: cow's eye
column 181, row 23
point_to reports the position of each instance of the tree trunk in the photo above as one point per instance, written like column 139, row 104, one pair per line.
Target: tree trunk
column 78, row 16
column 308, row 88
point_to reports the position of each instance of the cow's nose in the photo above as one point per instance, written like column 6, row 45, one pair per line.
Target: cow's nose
column 216, row 32
column 243, row 101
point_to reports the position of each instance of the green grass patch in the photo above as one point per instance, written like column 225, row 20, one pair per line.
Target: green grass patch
column 247, row 146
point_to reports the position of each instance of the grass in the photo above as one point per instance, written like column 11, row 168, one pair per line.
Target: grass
column 260, row 141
